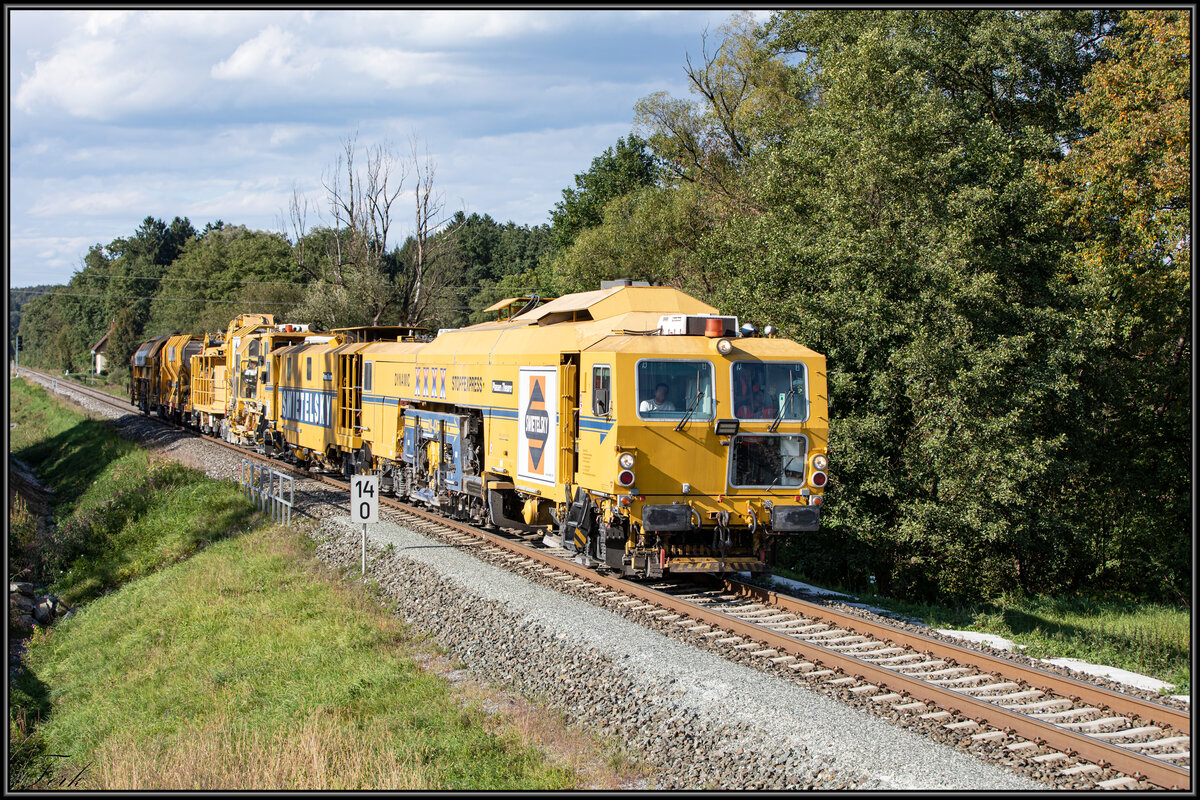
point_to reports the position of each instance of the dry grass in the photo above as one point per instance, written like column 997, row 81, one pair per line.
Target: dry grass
column 598, row 764
column 22, row 523
column 319, row 752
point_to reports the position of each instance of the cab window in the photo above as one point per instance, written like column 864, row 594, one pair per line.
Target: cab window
column 672, row 389
column 601, row 396
column 765, row 460
column 367, row 376
column 308, row 368
column 762, row 389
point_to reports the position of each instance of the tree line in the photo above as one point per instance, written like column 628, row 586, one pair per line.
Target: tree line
column 981, row 217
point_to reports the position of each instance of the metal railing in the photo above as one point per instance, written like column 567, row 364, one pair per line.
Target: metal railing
column 266, row 488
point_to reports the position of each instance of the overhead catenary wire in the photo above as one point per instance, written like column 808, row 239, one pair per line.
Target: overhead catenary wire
column 174, row 299
column 236, row 301
column 265, row 283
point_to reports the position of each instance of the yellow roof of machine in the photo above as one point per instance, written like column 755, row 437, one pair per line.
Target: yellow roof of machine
column 613, row 302
column 247, row 330
column 586, row 318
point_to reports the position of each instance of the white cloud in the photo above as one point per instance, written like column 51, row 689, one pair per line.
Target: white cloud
column 99, row 22
column 442, row 28
column 94, row 80
column 72, row 200
column 274, row 55
column 105, row 64
column 217, row 114
column 38, row 260
column 283, row 135
column 398, row 68
column 256, row 203
column 163, row 62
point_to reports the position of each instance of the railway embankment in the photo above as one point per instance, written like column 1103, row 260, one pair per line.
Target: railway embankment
column 690, row 722
column 211, row 650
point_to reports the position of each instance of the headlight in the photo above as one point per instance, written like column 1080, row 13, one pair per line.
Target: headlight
column 726, row 427
column 820, row 463
column 625, row 461
column 724, row 347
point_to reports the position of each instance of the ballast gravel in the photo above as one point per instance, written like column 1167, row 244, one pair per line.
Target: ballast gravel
column 702, row 722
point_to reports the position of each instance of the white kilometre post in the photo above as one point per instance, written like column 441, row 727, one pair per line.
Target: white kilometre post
column 364, row 506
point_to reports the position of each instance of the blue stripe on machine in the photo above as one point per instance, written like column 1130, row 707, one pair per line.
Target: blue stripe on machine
column 595, row 425
column 372, row 399
column 496, row 413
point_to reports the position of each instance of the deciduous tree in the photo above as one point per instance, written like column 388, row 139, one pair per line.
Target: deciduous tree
column 614, row 173
column 1124, row 192
column 352, row 283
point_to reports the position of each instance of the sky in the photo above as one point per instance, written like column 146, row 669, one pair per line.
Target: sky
column 116, row 115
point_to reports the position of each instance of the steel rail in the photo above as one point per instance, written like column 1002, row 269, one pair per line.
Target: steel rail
column 1101, row 753
column 1044, row 679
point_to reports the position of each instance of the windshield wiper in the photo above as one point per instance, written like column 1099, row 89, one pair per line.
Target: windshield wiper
column 782, row 472
column 782, row 407
column 691, row 410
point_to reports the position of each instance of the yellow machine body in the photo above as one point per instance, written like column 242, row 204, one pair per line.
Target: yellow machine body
column 251, row 403
column 333, row 398
column 210, row 388
column 522, row 422
column 175, row 373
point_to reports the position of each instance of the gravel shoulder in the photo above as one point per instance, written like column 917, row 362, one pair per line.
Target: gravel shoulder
column 703, row 721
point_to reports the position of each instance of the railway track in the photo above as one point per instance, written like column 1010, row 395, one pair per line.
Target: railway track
column 1068, row 728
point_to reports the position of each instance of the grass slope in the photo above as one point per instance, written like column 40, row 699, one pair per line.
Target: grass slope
column 211, row 651
column 245, row 666
column 121, row 511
